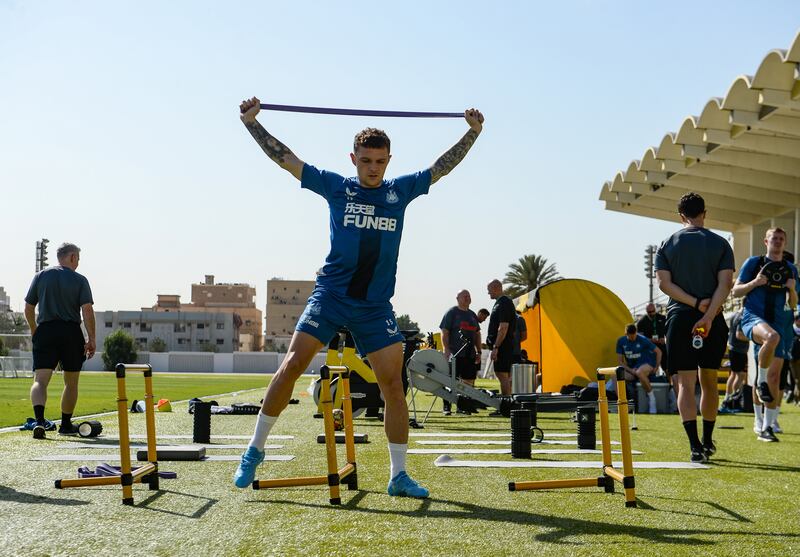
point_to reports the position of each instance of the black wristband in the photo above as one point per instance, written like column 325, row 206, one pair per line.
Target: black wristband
column 697, row 304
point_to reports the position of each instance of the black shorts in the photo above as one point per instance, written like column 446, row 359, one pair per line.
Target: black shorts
column 504, row 360
column 466, row 368
column 58, row 341
column 680, row 353
column 738, row 361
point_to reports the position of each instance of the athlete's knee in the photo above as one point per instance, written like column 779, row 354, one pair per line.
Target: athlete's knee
column 292, row 366
column 771, row 339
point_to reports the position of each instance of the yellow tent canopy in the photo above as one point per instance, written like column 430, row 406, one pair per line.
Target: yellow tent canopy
column 573, row 326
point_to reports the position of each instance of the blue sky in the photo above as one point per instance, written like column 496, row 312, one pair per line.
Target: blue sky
column 119, row 132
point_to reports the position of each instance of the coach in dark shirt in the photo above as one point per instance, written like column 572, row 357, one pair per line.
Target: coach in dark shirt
column 694, row 268
column 653, row 326
column 500, row 334
column 62, row 295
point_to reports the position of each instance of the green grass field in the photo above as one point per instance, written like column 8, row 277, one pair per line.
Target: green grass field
column 98, row 391
column 744, row 504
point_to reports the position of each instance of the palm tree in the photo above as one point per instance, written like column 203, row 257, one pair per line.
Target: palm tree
column 529, row 273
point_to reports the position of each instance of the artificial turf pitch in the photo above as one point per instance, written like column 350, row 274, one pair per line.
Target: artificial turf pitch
column 745, row 504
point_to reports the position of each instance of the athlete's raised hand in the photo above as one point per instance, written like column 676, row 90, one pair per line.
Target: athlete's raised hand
column 249, row 109
column 474, row 118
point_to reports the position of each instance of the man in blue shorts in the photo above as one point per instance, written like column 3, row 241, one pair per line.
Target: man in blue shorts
column 354, row 287
column 737, row 356
column 640, row 358
column 765, row 320
column 694, row 267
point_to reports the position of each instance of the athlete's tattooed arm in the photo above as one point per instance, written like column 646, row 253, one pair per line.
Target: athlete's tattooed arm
column 457, row 152
column 274, row 149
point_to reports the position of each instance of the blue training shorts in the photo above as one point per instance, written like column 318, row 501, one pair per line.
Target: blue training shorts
column 372, row 325
column 751, row 320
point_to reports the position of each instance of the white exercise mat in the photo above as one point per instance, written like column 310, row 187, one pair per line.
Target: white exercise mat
column 144, row 446
column 479, row 434
column 482, row 442
column 115, row 458
column 138, row 436
column 508, row 451
column 448, row 461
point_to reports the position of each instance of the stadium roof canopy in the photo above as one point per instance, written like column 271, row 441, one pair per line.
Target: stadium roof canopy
column 742, row 154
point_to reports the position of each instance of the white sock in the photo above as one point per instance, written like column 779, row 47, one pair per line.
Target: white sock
column 777, row 411
column 397, row 458
column 651, row 395
column 759, row 420
column 264, row 424
column 770, row 415
column 762, row 375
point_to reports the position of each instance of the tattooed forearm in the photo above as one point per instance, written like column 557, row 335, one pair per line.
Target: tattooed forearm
column 453, row 156
column 274, row 149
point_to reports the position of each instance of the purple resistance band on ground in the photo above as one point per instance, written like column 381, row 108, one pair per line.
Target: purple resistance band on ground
column 359, row 112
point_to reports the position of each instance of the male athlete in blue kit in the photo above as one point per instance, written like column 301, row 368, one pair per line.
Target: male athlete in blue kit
column 355, row 285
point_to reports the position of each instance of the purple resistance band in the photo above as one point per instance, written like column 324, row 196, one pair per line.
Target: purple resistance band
column 359, row 112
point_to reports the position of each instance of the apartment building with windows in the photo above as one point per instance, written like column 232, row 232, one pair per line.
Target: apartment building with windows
column 238, row 299
column 286, row 300
column 181, row 331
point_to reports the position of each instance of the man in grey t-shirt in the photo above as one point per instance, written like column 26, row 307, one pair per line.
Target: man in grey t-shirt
column 694, row 267
column 461, row 337
column 62, row 295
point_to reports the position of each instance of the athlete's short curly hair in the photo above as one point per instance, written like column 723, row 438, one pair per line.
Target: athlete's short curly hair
column 691, row 205
column 371, row 138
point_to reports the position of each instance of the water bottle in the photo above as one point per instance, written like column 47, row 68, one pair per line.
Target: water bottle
column 697, row 339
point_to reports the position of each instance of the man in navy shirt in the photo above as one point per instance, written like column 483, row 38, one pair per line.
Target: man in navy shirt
column 640, row 358
column 766, row 317
column 355, row 285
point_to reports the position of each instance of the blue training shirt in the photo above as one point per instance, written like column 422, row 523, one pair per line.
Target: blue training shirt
column 755, row 302
column 637, row 352
column 366, row 228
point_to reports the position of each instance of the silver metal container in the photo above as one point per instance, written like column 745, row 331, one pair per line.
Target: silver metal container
column 522, row 378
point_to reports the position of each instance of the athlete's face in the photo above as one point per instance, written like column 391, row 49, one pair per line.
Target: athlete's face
column 371, row 165
column 775, row 242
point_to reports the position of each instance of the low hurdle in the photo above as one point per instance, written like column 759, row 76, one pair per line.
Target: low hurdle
column 347, row 474
column 147, row 473
column 610, row 474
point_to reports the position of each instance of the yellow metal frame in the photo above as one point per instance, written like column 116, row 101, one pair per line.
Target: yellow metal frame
column 147, row 473
column 352, row 362
column 336, row 476
column 610, row 474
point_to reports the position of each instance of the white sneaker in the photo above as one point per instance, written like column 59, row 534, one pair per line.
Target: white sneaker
column 776, row 428
column 758, row 425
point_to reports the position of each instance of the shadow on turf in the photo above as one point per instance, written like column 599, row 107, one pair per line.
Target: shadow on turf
column 11, row 494
column 146, row 504
column 754, row 465
column 559, row 528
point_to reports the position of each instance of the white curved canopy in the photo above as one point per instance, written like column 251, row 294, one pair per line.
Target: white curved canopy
column 742, row 154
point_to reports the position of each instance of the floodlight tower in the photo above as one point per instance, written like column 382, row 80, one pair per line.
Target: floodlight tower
column 41, row 254
column 649, row 255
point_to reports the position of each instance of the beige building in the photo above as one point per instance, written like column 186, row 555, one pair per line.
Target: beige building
column 286, row 300
column 236, row 298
